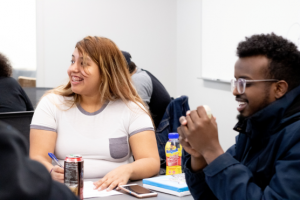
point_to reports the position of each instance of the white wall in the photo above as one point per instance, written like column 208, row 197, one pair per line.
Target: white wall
column 18, row 33
column 200, row 92
column 146, row 29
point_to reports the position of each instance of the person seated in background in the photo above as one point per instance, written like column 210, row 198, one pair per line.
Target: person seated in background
column 12, row 98
column 99, row 115
column 150, row 89
column 264, row 162
column 21, row 177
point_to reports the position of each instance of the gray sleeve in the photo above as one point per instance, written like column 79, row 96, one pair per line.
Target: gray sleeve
column 143, row 85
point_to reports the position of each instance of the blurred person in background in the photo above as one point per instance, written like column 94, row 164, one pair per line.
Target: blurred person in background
column 150, row 89
column 12, row 98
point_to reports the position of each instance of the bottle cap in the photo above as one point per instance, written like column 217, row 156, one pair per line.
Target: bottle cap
column 173, row 135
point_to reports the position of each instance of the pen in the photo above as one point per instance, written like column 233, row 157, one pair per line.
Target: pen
column 52, row 156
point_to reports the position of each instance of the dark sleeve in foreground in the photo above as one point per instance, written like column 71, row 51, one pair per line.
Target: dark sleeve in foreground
column 21, row 177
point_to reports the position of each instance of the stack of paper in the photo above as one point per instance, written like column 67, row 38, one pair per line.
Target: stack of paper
column 171, row 184
column 89, row 192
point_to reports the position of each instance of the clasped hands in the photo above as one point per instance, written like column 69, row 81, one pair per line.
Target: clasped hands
column 199, row 135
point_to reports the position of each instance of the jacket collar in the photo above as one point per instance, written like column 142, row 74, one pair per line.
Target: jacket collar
column 266, row 121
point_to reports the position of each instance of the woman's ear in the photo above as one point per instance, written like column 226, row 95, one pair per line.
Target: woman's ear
column 281, row 89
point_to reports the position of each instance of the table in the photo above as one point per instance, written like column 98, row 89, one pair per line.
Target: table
column 126, row 196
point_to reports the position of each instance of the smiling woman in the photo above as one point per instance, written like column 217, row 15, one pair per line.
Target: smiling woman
column 87, row 80
column 99, row 115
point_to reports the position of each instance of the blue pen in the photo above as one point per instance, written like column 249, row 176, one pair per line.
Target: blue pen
column 52, row 156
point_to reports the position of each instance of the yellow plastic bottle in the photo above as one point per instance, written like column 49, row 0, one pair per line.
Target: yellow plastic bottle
column 173, row 155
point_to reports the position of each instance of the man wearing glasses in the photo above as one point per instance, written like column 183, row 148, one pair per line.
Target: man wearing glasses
column 265, row 161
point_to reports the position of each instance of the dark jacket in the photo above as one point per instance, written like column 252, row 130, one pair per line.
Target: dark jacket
column 170, row 123
column 265, row 161
column 22, row 178
column 12, row 96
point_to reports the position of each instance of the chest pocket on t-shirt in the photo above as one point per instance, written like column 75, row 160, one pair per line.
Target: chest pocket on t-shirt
column 118, row 147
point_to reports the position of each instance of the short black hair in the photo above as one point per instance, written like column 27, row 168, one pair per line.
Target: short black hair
column 5, row 66
column 283, row 55
column 131, row 67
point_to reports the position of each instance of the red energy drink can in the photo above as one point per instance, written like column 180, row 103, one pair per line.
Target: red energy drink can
column 73, row 174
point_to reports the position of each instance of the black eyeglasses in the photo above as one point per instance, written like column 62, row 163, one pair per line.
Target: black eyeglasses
column 240, row 84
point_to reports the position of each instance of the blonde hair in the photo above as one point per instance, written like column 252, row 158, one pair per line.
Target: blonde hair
column 115, row 78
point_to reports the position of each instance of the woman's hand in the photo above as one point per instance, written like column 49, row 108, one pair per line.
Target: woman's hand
column 57, row 174
column 114, row 178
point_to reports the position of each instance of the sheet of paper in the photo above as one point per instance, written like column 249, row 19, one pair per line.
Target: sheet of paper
column 89, row 192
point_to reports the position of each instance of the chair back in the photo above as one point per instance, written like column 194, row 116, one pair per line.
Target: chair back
column 20, row 121
column 35, row 94
column 27, row 81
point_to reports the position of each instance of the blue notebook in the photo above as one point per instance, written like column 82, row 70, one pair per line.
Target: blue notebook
column 171, row 184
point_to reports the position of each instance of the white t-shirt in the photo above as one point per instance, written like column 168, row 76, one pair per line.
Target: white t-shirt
column 100, row 137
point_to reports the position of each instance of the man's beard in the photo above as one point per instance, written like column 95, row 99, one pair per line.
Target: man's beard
column 240, row 117
column 264, row 104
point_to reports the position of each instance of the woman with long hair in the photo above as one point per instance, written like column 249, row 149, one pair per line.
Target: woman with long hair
column 99, row 115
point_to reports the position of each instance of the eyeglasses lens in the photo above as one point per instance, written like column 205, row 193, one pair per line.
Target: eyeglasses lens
column 241, row 84
column 233, row 84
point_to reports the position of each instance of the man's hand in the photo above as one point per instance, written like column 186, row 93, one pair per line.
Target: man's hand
column 197, row 160
column 201, row 133
column 186, row 145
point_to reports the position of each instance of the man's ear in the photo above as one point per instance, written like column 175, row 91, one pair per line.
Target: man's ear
column 281, row 89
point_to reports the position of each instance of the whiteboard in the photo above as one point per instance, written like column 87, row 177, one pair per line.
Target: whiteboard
column 226, row 23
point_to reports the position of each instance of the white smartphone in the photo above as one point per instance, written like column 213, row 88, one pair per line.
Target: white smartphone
column 138, row 191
